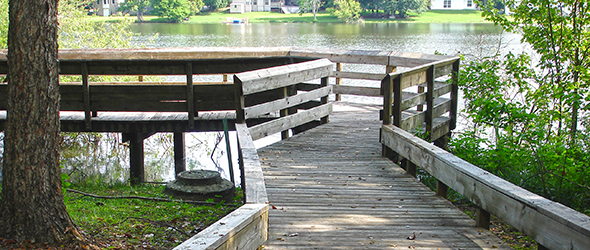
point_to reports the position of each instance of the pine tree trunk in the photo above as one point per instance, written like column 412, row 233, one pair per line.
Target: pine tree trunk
column 32, row 205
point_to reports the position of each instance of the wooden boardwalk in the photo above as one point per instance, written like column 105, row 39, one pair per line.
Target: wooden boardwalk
column 330, row 188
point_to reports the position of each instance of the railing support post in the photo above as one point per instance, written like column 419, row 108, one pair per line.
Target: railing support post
column 190, row 95
column 86, row 91
column 387, row 89
column 429, row 101
column 324, row 100
column 454, row 94
column 179, row 153
column 338, row 80
column 285, row 112
column 482, row 218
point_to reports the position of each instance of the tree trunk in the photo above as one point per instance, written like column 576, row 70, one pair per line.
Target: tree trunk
column 32, row 206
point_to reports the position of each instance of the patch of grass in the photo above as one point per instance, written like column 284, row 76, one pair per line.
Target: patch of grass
column 434, row 16
column 131, row 223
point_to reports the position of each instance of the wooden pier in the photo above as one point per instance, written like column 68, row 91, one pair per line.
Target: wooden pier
column 330, row 188
column 344, row 175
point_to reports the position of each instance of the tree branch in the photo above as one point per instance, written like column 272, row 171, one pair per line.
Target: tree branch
column 145, row 198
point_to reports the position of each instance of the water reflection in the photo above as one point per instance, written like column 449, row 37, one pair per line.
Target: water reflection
column 104, row 157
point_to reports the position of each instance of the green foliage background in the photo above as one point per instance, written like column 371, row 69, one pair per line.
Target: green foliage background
column 173, row 10
column 348, row 11
column 529, row 118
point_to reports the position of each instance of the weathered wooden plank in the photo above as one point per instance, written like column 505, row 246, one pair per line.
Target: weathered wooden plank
column 549, row 223
column 417, row 75
column 244, row 228
column 409, row 59
column 354, row 90
column 255, row 190
column 346, row 56
column 290, row 101
column 290, row 121
column 441, row 106
column 412, row 100
column 358, row 75
column 173, row 53
column 282, row 76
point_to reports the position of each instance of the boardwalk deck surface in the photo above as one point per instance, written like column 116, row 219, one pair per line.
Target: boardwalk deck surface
column 330, row 188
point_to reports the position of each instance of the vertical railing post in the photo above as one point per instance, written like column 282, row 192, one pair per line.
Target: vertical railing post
column 387, row 88
column 240, row 101
column 86, row 91
column 397, row 100
column 285, row 112
column 429, row 101
column 324, row 100
column 190, row 95
column 441, row 188
column 338, row 80
column 454, row 94
column 387, row 91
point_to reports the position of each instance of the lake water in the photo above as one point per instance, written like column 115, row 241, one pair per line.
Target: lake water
column 110, row 157
column 447, row 38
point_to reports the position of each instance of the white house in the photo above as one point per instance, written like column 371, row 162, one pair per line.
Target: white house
column 241, row 6
column 453, row 5
column 106, row 7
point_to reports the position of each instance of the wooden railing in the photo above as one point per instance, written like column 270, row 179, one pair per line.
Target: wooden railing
column 406, row 109
column 391, row 60
column 285, row 79
column 552, row 225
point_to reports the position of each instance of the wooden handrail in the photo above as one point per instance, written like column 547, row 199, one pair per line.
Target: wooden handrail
column 284, row 79
column 551, row 224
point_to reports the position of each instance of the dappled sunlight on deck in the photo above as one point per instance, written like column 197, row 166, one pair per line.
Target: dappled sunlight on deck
column 330, row 188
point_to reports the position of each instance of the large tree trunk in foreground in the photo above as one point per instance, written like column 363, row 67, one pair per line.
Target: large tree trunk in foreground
column 32, row 205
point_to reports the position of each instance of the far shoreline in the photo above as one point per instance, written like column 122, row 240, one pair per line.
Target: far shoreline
column 431, row 16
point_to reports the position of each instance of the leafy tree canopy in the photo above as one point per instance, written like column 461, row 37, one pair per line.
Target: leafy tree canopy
column 348, row 10
column 173, row 10
column 137, row 6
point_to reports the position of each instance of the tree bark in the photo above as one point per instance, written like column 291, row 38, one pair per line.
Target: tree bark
column 32, row 206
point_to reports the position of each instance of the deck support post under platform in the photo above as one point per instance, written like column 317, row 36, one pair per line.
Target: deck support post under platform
column 137, row 172
column 179, row 153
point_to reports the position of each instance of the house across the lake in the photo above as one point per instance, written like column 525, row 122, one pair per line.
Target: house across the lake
column 453, row 5
column 106, row 7
column 241, row 6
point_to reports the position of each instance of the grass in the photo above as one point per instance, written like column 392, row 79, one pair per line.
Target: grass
column 433, row 16
column 438, row 16
column 132, row 223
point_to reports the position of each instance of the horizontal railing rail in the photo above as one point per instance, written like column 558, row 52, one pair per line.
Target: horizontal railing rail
column 552, row 225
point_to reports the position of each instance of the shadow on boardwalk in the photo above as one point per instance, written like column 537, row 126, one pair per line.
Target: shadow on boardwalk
column 330, row 188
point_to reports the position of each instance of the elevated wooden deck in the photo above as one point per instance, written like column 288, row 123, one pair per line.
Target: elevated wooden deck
column 330, row 188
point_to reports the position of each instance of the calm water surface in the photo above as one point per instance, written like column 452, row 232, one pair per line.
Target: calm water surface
column 471, row 39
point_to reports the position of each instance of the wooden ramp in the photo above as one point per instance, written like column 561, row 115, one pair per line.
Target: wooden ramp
column 330, row 188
